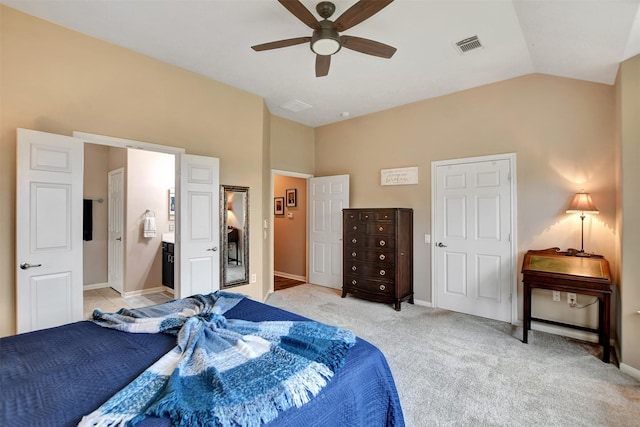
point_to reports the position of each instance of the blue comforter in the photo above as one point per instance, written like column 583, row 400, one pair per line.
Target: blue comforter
column 55, row 376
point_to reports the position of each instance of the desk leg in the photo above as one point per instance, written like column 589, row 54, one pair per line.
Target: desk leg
column 526, row 312
column 605, row 326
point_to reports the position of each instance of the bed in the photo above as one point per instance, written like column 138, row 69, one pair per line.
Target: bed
column 54, row 377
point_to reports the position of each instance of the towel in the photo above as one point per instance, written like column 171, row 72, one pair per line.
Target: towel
column 222, row 372
column 87, row 219
column 149, row 227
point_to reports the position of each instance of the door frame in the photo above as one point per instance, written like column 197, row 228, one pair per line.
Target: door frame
column 305, row 176
column 112, row 141
column 511, row 158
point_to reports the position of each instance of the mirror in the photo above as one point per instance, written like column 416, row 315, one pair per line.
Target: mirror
column 234, row 236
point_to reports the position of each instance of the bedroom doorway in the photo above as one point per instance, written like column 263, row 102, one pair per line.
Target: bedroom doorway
column 289, row 229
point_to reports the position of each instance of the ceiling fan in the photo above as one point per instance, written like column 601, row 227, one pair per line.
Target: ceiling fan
column 326, row 39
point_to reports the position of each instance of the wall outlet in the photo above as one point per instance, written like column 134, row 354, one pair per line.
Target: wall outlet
column 556, row 295
column 254, row 278
column 572, row 299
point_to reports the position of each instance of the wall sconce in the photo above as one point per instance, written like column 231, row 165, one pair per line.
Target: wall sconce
column 582, row 203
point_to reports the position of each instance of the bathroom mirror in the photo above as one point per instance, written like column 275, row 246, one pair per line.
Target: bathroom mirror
column 234, row 236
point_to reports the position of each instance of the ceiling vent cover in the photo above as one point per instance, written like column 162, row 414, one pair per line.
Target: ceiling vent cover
column 467, row 45
column 295, row 106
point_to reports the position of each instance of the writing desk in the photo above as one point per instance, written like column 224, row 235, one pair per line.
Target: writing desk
column 558, row 271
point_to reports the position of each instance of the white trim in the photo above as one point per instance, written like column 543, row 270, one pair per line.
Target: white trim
column 290, row 276
column 565, row 332
column 422, row 303
column 511, row 157
column 112, row 141
column 630, row 370
column 156, row 290
column 95, row 286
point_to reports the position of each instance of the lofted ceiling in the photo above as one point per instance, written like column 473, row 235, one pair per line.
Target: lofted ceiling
column 578, row 39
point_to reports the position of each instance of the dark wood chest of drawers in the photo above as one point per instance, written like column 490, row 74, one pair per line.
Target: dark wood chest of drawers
column 378, row 254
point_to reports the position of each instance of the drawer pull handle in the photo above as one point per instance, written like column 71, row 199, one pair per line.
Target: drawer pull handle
column 382, row 272
column 383, row 287
column 382, row 243
column 353, row 254
column 354, row 268
column 354, row 240
column 354, row 282
column 366, row 217
column 355, row 227
column 381, row 228
column 382, row 257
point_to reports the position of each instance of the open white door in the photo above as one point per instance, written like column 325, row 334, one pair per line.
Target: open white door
column 198, row 231
column 48, row 230
column 328, row 195
column 116, row 226
column 473, row 250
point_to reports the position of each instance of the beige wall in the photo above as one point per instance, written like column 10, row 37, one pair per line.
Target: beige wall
column 149, row 177
column 290, row 233
column 628, row 85
column 561, row 131
column 94, row 252
column 56, row 80
column 292, row 146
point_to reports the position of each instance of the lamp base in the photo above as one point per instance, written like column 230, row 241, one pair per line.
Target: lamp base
column 582, row 254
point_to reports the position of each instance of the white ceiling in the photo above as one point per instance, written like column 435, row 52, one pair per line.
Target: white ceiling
column 579, row 39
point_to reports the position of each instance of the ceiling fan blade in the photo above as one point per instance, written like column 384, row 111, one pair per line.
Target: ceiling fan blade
column 281, row 43
column 322, row 65
column 301, row 12
column 367, row 46
column 357, row 13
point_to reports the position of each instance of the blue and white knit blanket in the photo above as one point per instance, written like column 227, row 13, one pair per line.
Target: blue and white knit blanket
column 222, row 372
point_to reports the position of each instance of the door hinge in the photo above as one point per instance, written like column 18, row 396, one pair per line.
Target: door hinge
column 509, row 237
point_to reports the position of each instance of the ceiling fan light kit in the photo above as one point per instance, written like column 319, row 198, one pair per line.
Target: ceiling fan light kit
column 326, row 40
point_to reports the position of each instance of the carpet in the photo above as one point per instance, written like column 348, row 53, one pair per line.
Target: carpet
column 453, row 369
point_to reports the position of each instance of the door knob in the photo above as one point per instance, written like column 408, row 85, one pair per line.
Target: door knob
column 26, row 265
column 441, row 245
column 215, row 248
column 119, row 238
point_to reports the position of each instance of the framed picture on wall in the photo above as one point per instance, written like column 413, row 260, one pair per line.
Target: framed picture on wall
column 292, row 198
column 278, row 205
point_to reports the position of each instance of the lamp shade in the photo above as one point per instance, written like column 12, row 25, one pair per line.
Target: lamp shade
column 582, row 203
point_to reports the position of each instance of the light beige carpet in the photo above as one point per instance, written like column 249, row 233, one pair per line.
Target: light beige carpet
column 453, row 369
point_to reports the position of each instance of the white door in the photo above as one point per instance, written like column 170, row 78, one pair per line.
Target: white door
column 327, row 197
column 48, row 230
column 116, row 222
column 198, row 219
column 473, row 259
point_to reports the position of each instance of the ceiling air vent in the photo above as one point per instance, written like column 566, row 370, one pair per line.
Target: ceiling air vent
column 467, row 45
column 295, row 106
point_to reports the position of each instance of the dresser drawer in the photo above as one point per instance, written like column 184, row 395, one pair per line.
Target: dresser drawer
column 386, row 215
column 365, row 241
column 373, row 271
column 354, row 282
column 380, row 256
column 372, row 228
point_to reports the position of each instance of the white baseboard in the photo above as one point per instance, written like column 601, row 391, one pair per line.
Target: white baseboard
column 565, row 332
column 155, row 290
column 95, row 286
column 422, row 303
column 630, row 370
column 290, row 276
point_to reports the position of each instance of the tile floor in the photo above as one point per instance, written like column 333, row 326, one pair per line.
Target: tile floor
column 108, row 300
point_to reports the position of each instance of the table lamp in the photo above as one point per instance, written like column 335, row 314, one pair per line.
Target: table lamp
column 582, row 203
